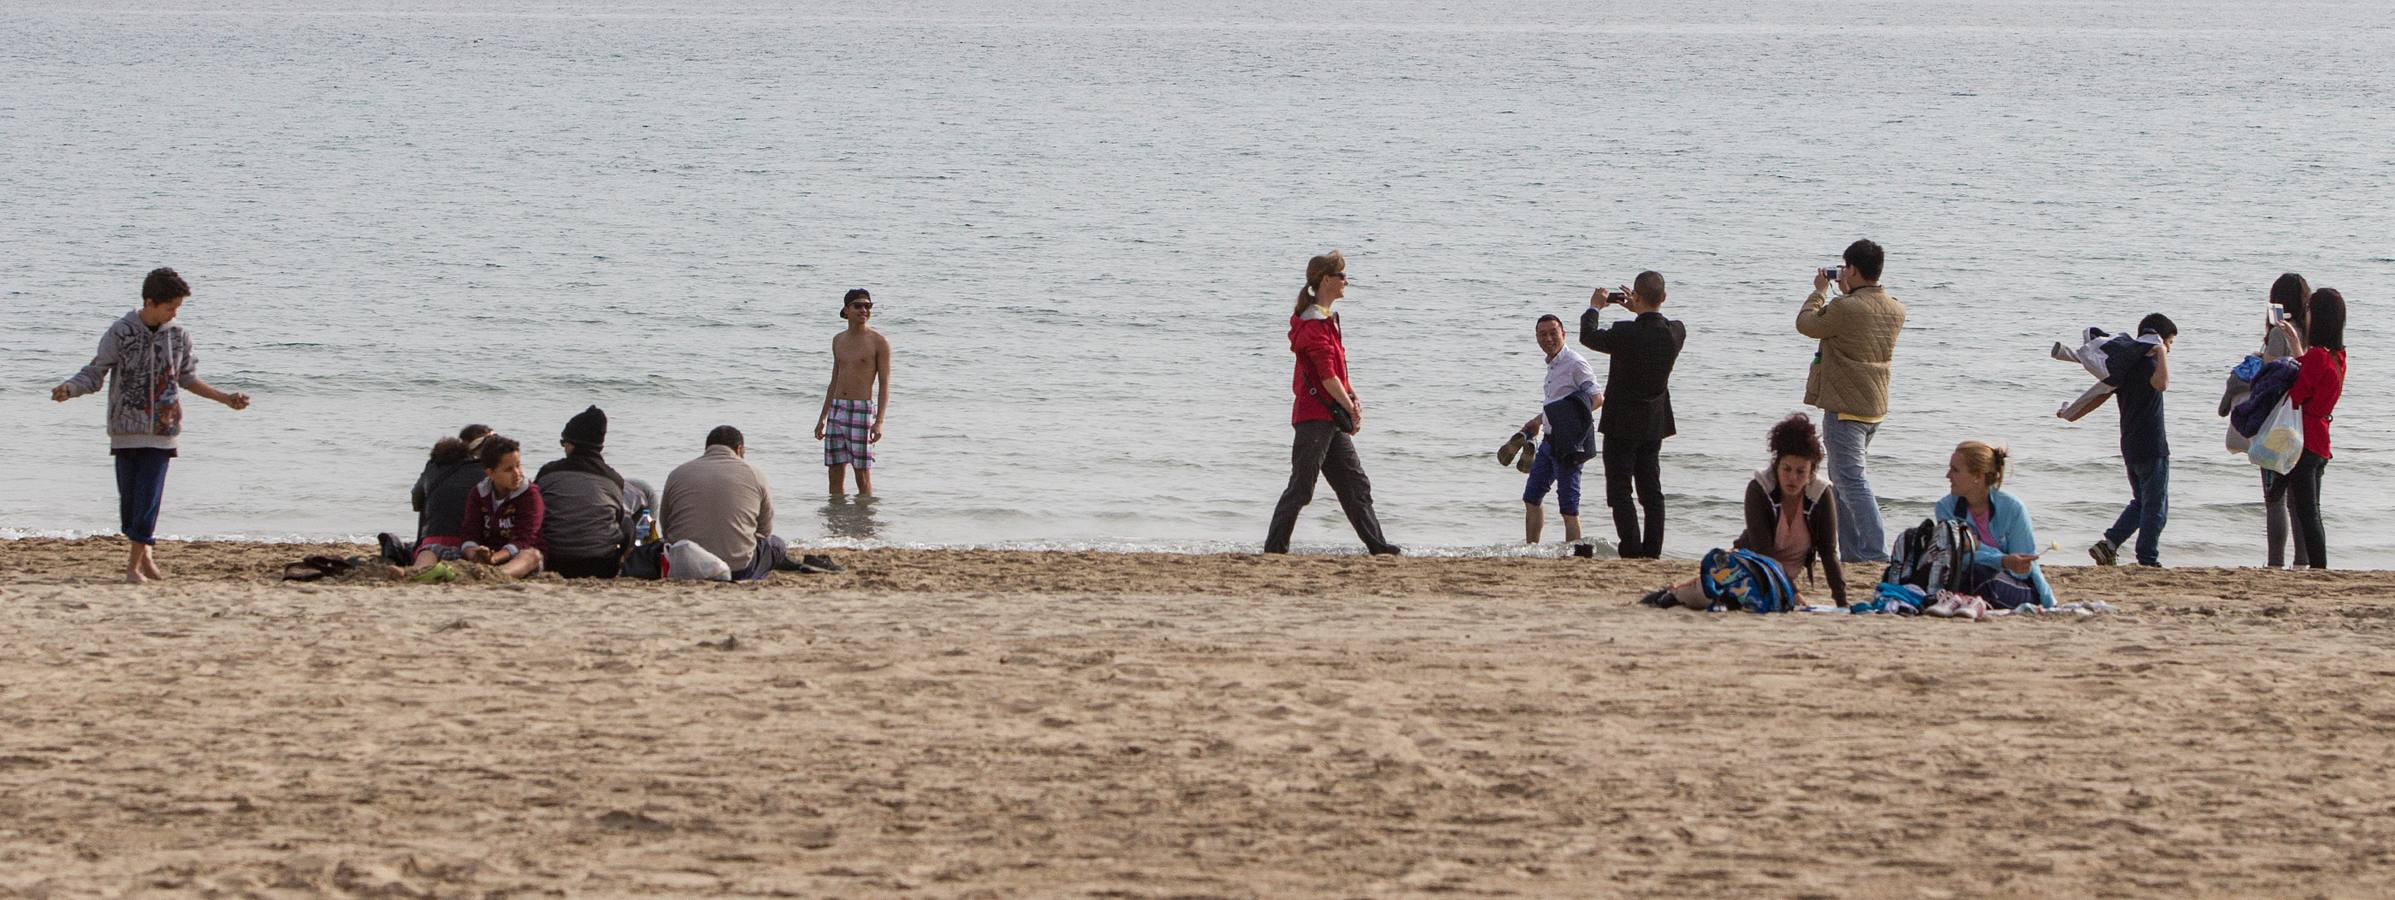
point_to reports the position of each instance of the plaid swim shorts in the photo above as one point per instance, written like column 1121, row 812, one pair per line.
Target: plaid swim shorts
column 848, row 434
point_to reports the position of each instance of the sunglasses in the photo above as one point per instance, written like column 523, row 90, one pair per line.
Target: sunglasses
column 1342, row 276
column 866, row 305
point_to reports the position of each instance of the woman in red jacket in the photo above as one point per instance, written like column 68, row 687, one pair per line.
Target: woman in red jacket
column 1326, row 415
column 2321, row 351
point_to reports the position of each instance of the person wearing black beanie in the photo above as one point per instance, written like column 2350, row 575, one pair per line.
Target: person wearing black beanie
column 586, row 430
column 590, row 516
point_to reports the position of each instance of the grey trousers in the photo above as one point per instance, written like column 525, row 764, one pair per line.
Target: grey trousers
column 1321, row 450
column 771, row 551
column 2274, row 521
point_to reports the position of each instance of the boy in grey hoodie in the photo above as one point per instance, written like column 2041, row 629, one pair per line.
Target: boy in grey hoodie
column 146, row 361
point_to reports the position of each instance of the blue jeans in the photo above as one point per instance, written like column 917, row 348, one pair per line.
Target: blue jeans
column 140, row 491
column 1544, row 473
column 2147, row 512
column 1860, row 537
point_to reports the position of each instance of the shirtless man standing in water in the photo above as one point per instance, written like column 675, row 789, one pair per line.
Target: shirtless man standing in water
column 851, row 421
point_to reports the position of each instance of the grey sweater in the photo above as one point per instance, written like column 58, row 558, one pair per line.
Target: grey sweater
column 720, row 502
column 146, row 370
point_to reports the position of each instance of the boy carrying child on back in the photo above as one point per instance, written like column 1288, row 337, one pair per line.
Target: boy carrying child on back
column 2138, row 380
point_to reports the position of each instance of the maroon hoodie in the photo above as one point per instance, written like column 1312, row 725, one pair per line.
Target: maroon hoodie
column 1320, row 353
column 511, row 523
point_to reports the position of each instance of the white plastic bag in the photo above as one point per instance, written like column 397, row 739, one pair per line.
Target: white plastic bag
column 687, row 561
column 2279, row 445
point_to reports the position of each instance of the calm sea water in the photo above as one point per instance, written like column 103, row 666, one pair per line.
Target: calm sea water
column 1085, row 223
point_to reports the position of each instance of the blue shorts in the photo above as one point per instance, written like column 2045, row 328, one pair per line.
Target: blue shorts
column 1544, row 473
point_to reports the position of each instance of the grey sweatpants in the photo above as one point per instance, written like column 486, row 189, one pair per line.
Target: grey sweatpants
column 1322, row 451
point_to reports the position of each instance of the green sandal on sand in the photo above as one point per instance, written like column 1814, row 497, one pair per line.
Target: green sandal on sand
column 437, row 573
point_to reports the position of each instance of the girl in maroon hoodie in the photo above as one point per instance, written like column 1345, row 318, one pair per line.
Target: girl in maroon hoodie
column 1326, row 414
column 504, row 512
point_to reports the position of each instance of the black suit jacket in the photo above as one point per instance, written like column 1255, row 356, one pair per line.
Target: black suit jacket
column 1638, row 397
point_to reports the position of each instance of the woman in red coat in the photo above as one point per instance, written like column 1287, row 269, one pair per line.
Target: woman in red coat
column 1326, row 414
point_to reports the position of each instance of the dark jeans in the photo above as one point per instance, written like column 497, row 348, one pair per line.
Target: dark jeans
column 2147, row 512
column 772, row 552
column 2274, row 520
column 602, row 567
column 2303, row 502
column 141, row 491
column 1321, row 450
column 2001, row 589
column 1544, row 474
column 1635, row 463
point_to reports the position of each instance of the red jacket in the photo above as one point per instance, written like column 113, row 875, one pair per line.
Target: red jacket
column 511, row 523
column 2315, row 392
column 1320, row 354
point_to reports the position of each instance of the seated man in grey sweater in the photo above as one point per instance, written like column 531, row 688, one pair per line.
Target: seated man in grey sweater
column 720, row 502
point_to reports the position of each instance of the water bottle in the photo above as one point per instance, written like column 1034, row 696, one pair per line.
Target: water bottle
column 644, row 527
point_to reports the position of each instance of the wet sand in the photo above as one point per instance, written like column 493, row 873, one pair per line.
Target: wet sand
column 972, row 724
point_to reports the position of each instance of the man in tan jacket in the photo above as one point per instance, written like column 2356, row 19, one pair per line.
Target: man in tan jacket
column 1849, row 381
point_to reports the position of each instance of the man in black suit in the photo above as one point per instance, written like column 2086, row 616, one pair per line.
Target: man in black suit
column 1637, row 415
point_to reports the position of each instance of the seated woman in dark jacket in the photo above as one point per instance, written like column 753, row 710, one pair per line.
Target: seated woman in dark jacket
column 439, row 498
column 1789, row 516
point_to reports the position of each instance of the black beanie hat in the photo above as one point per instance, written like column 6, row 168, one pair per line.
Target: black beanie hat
column 587, row 429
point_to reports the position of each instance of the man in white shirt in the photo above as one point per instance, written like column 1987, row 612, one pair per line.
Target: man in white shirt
column 1569, row 398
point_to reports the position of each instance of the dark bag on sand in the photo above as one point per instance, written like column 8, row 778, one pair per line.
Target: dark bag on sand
column 645, row 562
column 1933, row 556
column 319, row 567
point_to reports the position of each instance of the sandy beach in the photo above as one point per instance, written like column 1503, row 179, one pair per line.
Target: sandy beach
column 989, row 724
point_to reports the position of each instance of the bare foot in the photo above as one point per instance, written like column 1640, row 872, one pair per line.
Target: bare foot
column 133, row 576
column 149, row 569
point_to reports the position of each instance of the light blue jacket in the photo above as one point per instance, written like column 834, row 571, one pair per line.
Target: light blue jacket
column 2009, row 519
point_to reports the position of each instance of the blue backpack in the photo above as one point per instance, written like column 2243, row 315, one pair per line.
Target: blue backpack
column 1744, row 579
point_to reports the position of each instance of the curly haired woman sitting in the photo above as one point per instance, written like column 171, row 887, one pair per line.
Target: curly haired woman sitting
column 1790, row 518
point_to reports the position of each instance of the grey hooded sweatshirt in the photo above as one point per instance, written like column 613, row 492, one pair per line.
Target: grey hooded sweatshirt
column 146, row 370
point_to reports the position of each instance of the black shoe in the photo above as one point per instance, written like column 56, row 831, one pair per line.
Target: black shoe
column 1388, row 550
column 812, row 564
column 1660, row 598
column 395, row 551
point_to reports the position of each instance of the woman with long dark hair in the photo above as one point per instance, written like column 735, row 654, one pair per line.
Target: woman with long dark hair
column 1326, row 415
column 2288, row 295
column 2321, row 350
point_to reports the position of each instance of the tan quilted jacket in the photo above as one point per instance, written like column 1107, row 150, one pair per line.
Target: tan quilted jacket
column 1858, row 338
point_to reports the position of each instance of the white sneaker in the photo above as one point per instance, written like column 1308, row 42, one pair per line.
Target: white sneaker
column 1972, row 608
